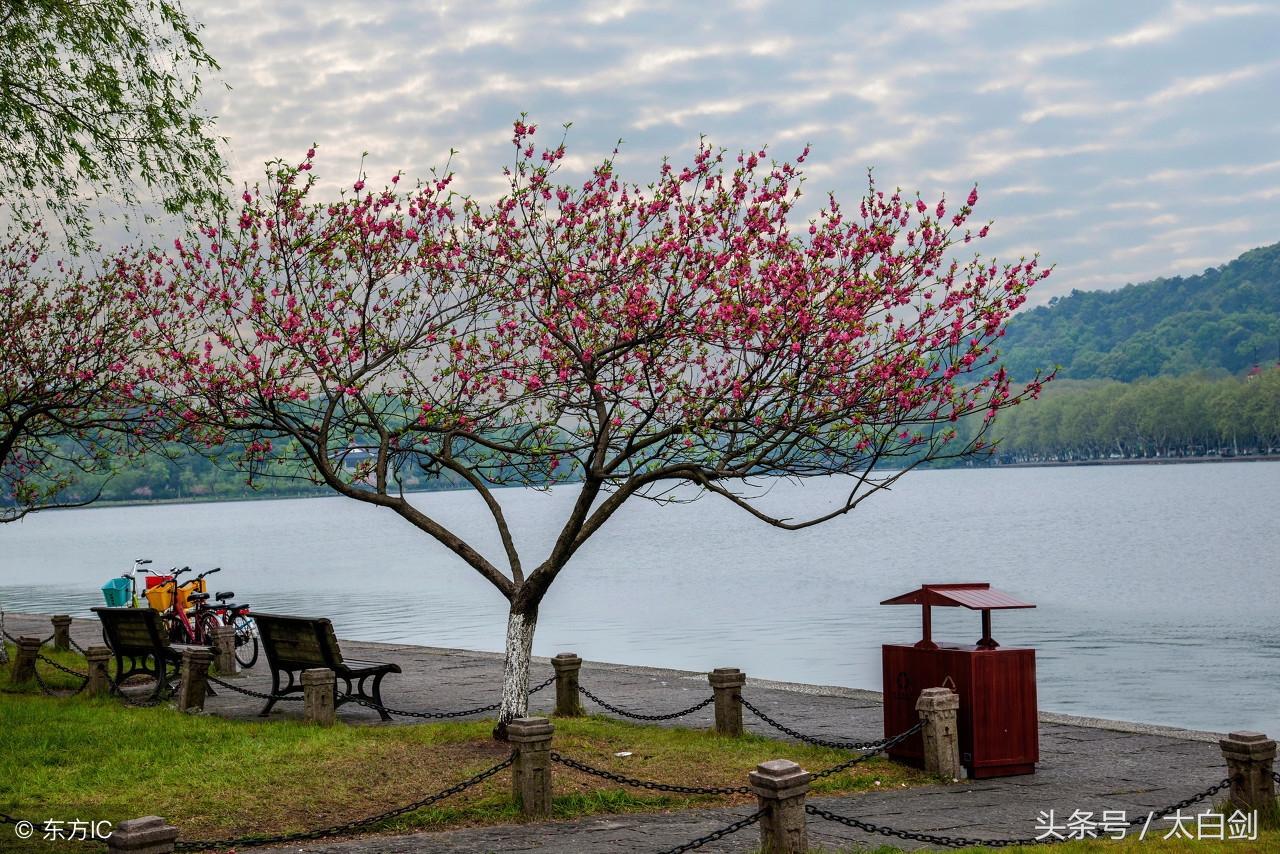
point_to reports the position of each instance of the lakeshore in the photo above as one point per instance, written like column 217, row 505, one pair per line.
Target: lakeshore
column 1085, row 764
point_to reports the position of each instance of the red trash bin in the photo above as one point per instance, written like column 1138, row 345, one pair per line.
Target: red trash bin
column 998, row 719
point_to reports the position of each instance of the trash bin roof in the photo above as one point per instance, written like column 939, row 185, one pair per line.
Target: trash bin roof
column 977, row 596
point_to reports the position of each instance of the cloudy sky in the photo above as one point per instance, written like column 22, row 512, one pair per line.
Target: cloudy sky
column 1120, row 140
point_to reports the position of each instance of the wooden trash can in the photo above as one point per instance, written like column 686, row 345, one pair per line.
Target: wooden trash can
column 998, row 724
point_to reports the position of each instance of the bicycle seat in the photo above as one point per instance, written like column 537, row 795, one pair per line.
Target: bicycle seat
column 198, row 597
column 222, row 597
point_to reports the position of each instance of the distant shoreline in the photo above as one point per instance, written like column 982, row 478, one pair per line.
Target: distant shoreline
column 1150, row 461
column 1044, row 464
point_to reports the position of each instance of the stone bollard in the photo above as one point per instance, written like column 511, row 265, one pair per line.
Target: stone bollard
column 195, row 679
column 149, row 835
column 531, row 771
column 318, row 695
column 61, row 631
column 1250, row 759
column 938, row 708
column 24, row 663
column 780, row 786
column 725, row 684
column 568, row 704
column 99, row 675
column 224, row 649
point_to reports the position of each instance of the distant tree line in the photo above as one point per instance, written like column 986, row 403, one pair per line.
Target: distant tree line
column 1226, row 319
column 1188, row 416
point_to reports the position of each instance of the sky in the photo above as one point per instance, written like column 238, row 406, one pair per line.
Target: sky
column 1121, row 141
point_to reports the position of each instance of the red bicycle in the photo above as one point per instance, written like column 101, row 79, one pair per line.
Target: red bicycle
column 189, row 625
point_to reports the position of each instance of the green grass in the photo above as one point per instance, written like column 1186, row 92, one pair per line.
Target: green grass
column 77, row 758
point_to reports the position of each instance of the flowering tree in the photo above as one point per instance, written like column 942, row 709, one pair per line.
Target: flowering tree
column 622, row 338
column 76, row 354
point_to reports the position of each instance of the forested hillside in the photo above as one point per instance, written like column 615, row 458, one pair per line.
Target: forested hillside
column 1223, row 320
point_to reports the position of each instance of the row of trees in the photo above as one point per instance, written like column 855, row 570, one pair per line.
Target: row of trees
column 1188, row 416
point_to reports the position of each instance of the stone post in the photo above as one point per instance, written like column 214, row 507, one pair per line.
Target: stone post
column 531, row 771
column 24, row 663
column 725, row 684
column 318, row 689
column 938, row 708
column 61, row 631
column 567, row 665
column 1250, row 759
column 150, row 835
column 780, row 786
column 99, row 676
column 224, row 649
column 195, row 679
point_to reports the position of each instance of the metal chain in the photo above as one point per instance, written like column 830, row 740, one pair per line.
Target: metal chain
column 433, row 715
column 14, row 640
column 648, row 784
column 837, row 745
column 1276, row 776
column 718, row 834
column 639, row 717
column 892, row 742
column 343, row 829
column 66, row 670
column 248, row 692
column 84, row 677
column 147, row 703
column 965, row 842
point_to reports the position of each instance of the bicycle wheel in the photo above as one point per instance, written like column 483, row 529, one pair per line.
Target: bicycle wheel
column 176, row 629
column 205, row 624
column 246, row 641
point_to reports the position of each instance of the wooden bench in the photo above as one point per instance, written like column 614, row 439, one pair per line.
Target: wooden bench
column 295, row 644
column 138, row 634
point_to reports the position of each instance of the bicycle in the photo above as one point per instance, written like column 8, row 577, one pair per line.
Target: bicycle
column 132, row 577
column 238, row 617
column 178, row 622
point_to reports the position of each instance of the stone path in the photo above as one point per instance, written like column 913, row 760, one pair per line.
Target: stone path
column 1085, row 764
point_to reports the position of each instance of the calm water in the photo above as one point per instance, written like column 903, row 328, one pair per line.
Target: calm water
column 1156, row 585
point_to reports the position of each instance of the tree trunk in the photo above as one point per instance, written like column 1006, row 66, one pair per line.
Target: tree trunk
column 521, row 622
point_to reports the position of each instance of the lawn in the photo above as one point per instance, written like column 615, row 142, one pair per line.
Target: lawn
column 76, row 758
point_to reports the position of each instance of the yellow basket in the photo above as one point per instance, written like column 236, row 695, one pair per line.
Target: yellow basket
column 161, row 597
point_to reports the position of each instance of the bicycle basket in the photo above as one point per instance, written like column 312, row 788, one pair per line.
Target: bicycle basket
column 185, row 591
column 160, row 597
column 117, row 592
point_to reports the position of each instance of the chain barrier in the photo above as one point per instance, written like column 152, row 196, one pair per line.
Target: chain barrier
column 1276, row 776
column 249, row 692
column 84, row 677
column 14, row 640
column 837, row 745
column 350, row 826
column 434, row 715
column 639, row 717
column 717, row 834
column 857, row 760
column 965, row 842
column 648, row 784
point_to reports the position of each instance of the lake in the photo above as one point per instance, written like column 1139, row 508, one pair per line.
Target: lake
column 1156, row 585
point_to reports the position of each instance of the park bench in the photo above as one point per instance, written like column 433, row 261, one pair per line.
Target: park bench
column 295, row 644
column 139, row 635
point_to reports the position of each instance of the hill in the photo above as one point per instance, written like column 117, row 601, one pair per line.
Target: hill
column 1224, row 319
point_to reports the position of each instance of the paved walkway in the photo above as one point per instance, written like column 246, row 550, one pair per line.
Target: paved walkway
column 1084, row 764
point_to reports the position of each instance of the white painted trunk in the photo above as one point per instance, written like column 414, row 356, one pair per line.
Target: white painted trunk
column 515, row 673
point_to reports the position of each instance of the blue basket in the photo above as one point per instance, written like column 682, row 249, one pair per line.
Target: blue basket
column 117, row 592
